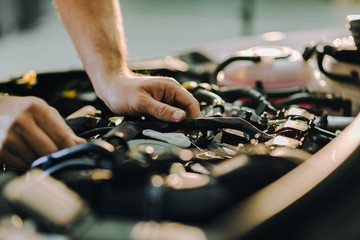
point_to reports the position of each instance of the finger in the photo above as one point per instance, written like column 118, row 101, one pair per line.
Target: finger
column 12, row 161
column 175, row 93
column 35, row 137
column 88, row 110
column 163, row 111
column 189, row 103
column 51, row 122
column 16, row 145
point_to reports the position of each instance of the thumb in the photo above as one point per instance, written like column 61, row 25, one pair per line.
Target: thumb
column 165, row 112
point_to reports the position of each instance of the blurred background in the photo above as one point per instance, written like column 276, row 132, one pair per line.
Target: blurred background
column 33, row 37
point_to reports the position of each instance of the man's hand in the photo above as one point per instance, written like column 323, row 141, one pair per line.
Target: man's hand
column 29, row 128
column 97, row 31
column 161, row 97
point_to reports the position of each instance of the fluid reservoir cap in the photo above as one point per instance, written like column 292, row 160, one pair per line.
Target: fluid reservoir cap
column 275, row 52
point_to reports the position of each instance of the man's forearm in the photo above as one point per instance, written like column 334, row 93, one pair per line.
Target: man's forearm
column 96, row 29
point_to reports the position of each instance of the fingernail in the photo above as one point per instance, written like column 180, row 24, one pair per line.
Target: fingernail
column 177, row 115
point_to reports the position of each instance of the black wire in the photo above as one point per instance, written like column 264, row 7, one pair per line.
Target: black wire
column 93, row 132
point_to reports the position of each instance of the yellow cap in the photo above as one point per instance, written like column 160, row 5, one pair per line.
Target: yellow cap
column 190, row 85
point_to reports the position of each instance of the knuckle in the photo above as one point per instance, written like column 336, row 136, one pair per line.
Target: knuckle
column 35, row 104
column 9, row 140
column 19, row 122
column 162, row 111
column 172, row 82
column 170, row 79
column 52, row 110
column 35, row 100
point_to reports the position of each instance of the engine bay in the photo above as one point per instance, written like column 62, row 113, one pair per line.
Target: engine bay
column 265, row 111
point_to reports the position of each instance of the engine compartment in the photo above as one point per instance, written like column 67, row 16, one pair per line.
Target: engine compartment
column 148, row 172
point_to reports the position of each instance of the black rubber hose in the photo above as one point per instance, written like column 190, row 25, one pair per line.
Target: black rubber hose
column 50, row 160
column 222, row 65
column 332, row 101
column 209, row 124
column 353, row 77
column 234, row 93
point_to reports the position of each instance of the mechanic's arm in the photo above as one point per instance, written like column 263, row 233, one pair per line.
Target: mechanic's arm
column 29, row 129
column 97, row 32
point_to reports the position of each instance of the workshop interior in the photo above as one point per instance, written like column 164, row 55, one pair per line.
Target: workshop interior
column 275, row 154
